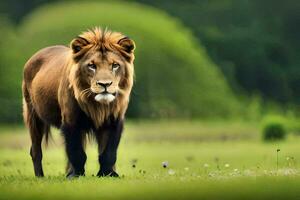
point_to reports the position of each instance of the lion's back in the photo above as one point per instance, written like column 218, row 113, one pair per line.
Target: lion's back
column 41, row 60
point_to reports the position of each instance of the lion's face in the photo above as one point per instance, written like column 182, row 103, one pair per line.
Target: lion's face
column 103, row 73
column 105, row 64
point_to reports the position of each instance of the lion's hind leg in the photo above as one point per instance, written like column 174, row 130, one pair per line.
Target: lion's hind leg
column 37, row 129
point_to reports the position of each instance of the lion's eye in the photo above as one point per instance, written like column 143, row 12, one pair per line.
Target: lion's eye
column 115, row 66
column 92, row 66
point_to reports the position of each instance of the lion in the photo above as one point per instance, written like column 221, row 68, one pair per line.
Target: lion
column 84, row 88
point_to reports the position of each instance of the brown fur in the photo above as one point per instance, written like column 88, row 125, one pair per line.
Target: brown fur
column 57, row 84
column 109, row 41
column 52, row 71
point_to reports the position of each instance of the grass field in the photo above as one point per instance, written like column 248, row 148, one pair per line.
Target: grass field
column 206, row 160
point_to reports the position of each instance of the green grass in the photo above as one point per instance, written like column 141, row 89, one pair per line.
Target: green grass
column 205, row 162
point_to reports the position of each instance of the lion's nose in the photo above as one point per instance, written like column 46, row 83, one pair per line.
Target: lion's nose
column 104, row 84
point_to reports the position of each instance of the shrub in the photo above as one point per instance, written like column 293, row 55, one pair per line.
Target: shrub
column 274, row 128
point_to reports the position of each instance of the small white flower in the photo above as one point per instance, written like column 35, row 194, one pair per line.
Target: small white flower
column 227, row 165
column 235, row 170
column 186, row 169
column 171, row 172
column 165, row 164
column 206, row 165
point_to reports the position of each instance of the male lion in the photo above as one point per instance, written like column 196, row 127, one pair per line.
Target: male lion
column 81, row 89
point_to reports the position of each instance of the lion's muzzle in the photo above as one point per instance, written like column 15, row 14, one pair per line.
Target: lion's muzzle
column 104, row 93
column 105, row 97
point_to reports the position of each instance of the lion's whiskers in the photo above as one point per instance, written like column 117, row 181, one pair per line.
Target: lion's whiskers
column 85, row 93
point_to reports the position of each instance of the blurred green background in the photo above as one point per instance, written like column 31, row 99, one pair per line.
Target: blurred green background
column 213, row 78
column 229, row 59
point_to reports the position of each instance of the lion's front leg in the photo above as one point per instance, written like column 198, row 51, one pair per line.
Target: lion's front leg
column 75, row 151
column 108, row 141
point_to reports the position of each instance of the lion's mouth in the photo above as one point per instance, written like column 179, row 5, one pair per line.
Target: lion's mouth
column 105, row 97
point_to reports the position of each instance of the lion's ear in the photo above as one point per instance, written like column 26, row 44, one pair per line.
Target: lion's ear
column 78, row 43
column 127, row 44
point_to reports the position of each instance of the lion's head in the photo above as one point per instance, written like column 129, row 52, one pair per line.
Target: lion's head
column 102, row 72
